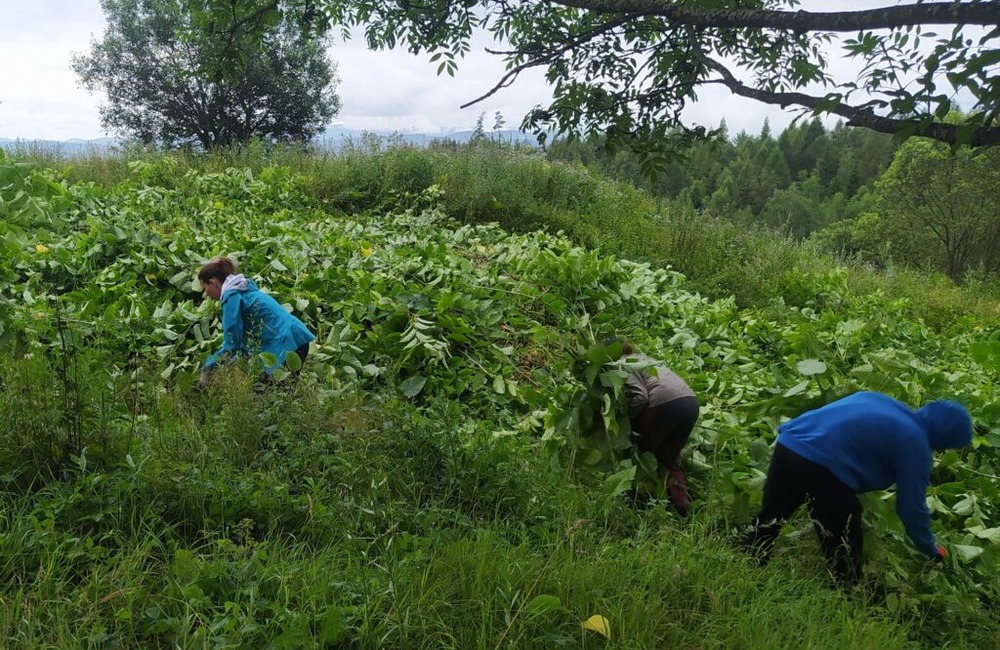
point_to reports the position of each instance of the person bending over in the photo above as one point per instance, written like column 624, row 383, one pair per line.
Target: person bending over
column 662, row 410
column 252, row 321
column 866, row 441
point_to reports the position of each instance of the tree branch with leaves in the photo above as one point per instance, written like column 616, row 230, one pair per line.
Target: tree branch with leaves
column 625, row 70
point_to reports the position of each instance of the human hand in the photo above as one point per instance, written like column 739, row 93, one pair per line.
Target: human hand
column 941, row 553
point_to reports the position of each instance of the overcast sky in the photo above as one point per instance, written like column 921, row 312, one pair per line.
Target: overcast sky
column 41, row 99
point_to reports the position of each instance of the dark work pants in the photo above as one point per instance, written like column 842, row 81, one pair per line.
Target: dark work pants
column 663, row 431
column 834, row 507
column 302, row 351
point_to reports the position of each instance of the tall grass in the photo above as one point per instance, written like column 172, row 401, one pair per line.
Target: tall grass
column 248, row 519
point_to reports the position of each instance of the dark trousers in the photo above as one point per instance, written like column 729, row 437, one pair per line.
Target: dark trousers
column 834, row 507
column 303, row 352
column 663, row 431
column 293, row 377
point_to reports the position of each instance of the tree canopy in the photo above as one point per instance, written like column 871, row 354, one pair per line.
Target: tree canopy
column 941, row 207
column 626, row 69
column 173, row 79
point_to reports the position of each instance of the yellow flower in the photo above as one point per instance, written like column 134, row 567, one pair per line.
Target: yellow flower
column 41, row 248
column 366, row 251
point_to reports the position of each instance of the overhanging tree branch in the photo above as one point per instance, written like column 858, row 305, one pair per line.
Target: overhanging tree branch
column 856, row 116
column 546, row 58
column 935, row 13
column 785, row 49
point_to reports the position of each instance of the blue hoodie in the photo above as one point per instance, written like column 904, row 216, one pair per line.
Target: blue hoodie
column 248, row 313
column 870, row 441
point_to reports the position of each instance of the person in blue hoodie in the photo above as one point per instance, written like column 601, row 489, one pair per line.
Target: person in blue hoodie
column 252, row 321
column 863, row 442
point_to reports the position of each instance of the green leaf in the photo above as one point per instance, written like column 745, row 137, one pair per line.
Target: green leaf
column 810, row 367
column 965, row 506
column 619, row 482
column 892, row 602
column 796, row 389
column 990, row 534
column 542, row 604
column 334, row 626
column 411, row 386
column 293, row 361
column 180, row 279
column 759, row 451
column 966, row 552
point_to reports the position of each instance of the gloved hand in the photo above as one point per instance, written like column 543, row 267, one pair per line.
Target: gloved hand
column 941, row 553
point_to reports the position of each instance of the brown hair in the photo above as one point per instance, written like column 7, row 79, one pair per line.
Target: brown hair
column 218, row 269
column 627, row 347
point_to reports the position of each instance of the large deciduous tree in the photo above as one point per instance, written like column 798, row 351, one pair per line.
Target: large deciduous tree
column 941, row 207
column 625, row 69
column 173, row 79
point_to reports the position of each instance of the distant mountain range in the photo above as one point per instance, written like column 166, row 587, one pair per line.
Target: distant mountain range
column 335, row 138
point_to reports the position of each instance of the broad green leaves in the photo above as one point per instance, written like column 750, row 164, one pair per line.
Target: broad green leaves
column 542, row 604
column 411, row 386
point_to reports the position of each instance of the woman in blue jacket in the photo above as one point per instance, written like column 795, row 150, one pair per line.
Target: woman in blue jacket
column 252, row 321
column 863, row 442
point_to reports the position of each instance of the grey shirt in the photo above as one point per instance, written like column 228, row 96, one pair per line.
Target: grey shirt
column 653, row 386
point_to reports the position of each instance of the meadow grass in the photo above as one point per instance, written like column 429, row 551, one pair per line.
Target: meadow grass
column 306, row 519
column 144, row 514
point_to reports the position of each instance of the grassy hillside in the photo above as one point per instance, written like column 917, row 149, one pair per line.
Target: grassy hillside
column 519, row 189
column 450, row 471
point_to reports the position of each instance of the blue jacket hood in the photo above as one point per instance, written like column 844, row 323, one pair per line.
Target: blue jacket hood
column 249, row 286
column 948, row 424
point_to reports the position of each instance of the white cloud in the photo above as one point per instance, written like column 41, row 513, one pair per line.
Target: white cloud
column 394, row 90
column 40, row 97
column 397, row 90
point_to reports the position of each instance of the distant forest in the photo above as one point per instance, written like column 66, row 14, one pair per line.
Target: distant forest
column 852, row 191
